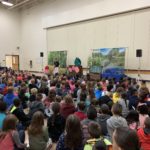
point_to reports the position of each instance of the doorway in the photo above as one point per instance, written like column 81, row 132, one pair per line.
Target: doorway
column 12, row 61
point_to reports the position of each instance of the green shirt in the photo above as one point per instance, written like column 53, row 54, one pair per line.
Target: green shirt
column 39, row 142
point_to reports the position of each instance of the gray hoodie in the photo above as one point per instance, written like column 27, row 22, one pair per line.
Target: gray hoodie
column 115, row 122
column 36, row 106
column 102, row 120
column 125, row 107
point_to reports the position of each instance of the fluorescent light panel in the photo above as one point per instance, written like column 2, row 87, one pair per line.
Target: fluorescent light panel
column 7, row 3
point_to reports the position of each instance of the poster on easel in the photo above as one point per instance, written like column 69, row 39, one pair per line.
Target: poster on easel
column 107, row 59
column 61, row 57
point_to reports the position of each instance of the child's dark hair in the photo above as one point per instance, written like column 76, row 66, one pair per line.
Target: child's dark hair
column 68, row 99
column 83, row 96
column 91, row 93
column 53, row 83
column 105, row 109
column 143, row 109
column 9, row 123
column 39, row 97
column 117, row 109
column 56, row 108
column 147, row 123
column 52, row 95
column 17, row 102
column 94, row 102
column 76, row 85
column 3, row 106
column 58, row 85
column 94, row 130
column 91, row 113
column 143, row 94
column 99, row 87
column 58, row 99
column 133, row 116
column 109, row 87
column 100, row 145
column 133, row 91
column 81, row 106
column 126, row 138
column 73, row 137
column 37, row 124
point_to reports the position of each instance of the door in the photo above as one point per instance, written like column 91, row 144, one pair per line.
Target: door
column 12, row 61
column 8, row 61
column 15, row 62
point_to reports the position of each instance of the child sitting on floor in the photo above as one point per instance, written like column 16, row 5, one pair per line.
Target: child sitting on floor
column 96, row 142
column 144, row 135
column 80, row 113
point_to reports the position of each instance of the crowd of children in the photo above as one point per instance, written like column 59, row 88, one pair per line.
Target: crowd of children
column 73, row 113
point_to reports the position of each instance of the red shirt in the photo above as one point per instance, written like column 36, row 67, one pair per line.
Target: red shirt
column 19, row 78
column 80, row 115
column 144, row 139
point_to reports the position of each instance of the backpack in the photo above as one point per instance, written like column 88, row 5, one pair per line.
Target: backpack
column 7, row 142
column 97, row 144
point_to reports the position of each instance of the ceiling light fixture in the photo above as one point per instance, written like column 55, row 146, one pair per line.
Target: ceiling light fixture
column 7, row 3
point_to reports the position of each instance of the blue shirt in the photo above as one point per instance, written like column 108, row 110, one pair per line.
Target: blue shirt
column 9, row 99
column 98, row 93
column 2, row 117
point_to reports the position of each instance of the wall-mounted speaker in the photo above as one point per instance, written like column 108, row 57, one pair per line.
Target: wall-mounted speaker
column 18, row 47
column 138, row 53
column 41, row 54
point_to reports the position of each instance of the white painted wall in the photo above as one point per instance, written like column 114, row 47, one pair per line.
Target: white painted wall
column 58, row 12
column 9, row 33
column 130, row 30
column 94, row 9
column 33, row 36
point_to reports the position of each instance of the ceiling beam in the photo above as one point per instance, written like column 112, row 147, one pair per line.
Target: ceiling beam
column 20, row 4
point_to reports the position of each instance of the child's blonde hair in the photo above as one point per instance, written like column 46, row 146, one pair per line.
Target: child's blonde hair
column 34, row 91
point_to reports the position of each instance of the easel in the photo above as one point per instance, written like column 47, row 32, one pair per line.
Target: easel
column 42, row 55
column 139, row 69
column 139, row 55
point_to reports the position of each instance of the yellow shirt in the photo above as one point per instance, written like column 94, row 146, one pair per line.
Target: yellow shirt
column 91, row 142
column 116, row 97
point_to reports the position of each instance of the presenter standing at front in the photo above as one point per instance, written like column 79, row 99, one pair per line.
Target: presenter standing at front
column 56, row 67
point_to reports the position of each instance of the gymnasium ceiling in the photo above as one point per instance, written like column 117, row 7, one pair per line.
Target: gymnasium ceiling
column 20, row 4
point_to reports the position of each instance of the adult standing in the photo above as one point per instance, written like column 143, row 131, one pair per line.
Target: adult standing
column 56, row 67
